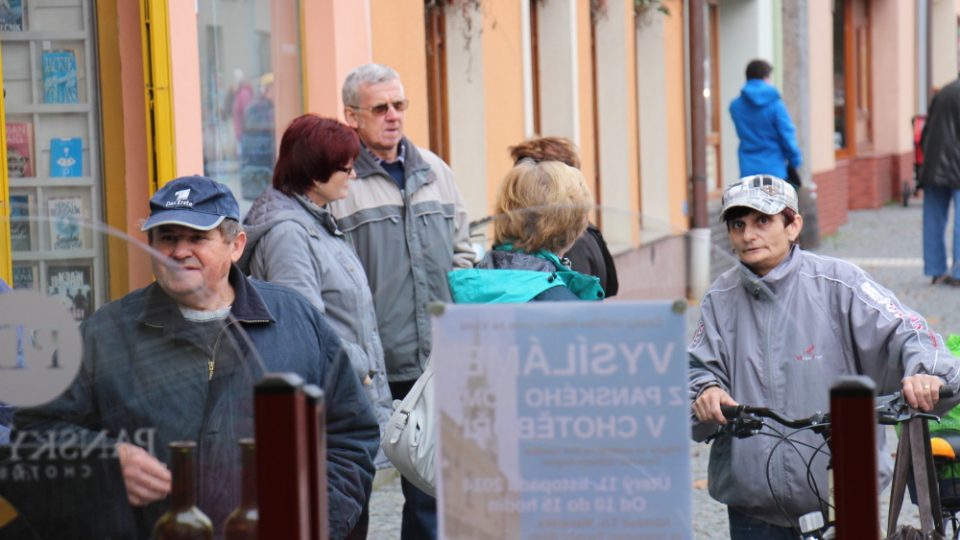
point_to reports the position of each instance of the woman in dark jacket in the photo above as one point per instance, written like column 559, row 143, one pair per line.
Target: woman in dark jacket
column 541, row 210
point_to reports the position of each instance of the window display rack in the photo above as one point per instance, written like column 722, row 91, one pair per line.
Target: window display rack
column 53, row 147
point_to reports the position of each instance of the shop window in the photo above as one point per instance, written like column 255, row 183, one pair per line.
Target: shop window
column 851, row 76
column 53, row 150
column 842, row 130
column 251, row 88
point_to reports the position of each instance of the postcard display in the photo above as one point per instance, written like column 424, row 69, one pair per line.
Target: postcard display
column 53, row 151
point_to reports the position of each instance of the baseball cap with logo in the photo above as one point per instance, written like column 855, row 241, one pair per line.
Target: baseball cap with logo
column 764, row 193
column 197, row 202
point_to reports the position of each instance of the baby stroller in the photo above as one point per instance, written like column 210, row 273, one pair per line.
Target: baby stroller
column 910, row 190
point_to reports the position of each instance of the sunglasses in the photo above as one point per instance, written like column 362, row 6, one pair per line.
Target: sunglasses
column 382, row 109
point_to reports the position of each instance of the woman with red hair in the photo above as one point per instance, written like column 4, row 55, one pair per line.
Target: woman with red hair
column 293, row 240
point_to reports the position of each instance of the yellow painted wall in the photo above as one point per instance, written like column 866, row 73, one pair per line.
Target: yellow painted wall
column 336, row 39
column 821, row 88
column 185, row 66
column 676, row 110
column 397, row 32
column 503, row 86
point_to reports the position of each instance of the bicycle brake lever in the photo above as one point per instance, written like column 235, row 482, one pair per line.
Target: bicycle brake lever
column 747, row 426
column 740, row 428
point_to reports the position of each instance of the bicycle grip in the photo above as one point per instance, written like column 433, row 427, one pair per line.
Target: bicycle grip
column 731, row 412
column 946, row 392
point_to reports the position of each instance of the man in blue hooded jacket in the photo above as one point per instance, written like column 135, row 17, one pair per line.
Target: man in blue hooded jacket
column 768, row 140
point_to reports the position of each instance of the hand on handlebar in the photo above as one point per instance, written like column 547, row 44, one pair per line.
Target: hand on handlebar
column 707, row 406
column 922, row 391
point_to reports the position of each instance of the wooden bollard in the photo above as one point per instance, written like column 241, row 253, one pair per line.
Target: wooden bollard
column 283, row 494
column 317, row 461
column 853, row 444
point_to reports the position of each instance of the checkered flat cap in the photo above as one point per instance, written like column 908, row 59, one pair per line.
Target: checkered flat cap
column 764, row 193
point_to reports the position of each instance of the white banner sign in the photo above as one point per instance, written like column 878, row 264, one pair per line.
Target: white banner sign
column 563, row 421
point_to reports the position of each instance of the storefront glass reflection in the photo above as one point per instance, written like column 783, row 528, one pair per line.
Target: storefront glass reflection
column 250, row 83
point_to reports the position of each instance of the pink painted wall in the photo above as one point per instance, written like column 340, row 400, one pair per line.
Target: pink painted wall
column 185, row 75
column 135, row 138
column 821, row 88
column 892, row 70
column 336, row 37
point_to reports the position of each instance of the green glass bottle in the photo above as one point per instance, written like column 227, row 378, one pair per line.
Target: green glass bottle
column 183, row 521
column 242, row 522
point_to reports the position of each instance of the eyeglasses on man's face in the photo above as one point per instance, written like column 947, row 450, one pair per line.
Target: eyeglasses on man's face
column 382, row 108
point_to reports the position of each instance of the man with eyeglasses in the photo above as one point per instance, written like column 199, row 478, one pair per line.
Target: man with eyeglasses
column 406, row 219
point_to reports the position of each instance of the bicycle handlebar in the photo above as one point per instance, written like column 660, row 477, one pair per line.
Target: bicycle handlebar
column 733, row 412
column 891, row 409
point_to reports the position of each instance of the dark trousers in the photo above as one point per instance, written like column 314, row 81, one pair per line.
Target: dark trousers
column 744, row 527
column 359, row 531
column 419, row 508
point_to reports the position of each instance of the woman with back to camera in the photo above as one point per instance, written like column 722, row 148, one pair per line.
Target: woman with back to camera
column 293, row 240
column 589, row 254
column 541, row 210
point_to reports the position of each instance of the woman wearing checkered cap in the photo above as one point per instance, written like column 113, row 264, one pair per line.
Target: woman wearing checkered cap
column 777, row 330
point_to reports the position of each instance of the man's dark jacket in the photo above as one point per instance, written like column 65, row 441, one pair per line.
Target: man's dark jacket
column 941, row 140
column 143, row 367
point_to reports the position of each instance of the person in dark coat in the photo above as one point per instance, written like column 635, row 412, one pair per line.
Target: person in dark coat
column 940, row 182
column 541, row 208
column 178, row 359
column 589, row 254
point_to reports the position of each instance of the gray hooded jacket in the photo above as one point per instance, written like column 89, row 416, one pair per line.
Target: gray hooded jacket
column 781, row 341
column 294, row 242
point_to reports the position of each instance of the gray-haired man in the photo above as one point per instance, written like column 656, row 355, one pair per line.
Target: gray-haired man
column 406, row 219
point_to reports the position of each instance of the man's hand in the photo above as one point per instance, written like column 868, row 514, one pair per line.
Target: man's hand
column 922, row 391
column 707, row 406
column 146, row 478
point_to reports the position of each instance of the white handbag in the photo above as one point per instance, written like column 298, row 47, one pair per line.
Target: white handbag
column 409, row 439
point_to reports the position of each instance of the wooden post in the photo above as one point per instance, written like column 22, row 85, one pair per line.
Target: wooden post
column 317, row 461
column 853, row 447
column 280, row 410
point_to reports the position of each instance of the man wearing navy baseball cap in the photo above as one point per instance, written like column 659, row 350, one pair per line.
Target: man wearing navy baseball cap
column 184, row 335
column 195, row 224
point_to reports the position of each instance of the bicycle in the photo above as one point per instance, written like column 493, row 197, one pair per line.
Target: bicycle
column 747, row 421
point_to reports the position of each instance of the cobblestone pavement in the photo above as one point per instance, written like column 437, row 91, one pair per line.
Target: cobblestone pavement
column 886, row 243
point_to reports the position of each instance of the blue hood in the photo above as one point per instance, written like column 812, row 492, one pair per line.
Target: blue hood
column 759, row 93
